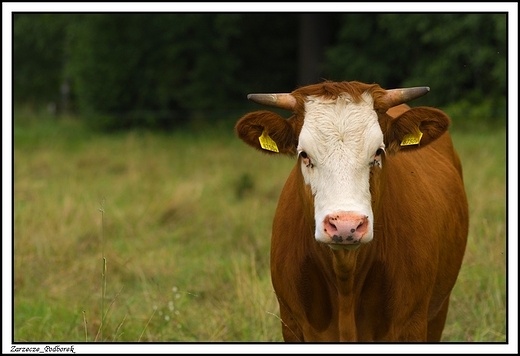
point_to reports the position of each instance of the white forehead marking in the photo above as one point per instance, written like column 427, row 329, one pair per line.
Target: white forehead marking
column 340, row 126
column 340, row 138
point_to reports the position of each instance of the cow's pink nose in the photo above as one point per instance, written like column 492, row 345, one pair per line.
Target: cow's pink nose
column 345, row 227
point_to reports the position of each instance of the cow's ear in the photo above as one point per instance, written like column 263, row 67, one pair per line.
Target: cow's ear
column 415, row 128
column 267, row 132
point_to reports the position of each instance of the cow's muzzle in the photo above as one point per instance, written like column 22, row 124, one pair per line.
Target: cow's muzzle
column 345, row 228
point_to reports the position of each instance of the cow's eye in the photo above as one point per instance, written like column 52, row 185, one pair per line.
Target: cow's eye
column 377, row 157
column 306, row 160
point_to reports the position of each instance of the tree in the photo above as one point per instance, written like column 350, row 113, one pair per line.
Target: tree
column 161, row 69
column 150, row 70
column 315, row 34
column 38, row 57
column 460, row 56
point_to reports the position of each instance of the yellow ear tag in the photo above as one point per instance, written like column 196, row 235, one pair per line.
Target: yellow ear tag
column 267, row 142
column 412, row 138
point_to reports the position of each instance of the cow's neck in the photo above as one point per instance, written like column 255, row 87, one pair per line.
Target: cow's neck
column 344, row 264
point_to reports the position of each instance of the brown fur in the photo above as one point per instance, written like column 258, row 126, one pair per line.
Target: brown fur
column 250, row 127
column 397, row 287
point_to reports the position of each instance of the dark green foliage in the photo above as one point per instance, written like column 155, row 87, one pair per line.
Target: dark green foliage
column 38, row 57
column 267, row 53
column 149, row 70
column 460, row 56
column 162, row 70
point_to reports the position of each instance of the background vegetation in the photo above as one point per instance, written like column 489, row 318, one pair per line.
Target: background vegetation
column 159, row 70
column 125, row 158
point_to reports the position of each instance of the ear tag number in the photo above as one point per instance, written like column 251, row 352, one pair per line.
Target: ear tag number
column 412, row 138
column 267, row 142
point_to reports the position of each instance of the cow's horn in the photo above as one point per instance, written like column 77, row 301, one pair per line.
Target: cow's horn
column 282, row 101
column 395, row 97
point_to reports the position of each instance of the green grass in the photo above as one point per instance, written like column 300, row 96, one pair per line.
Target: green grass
column 185, row 234
column 478, row 304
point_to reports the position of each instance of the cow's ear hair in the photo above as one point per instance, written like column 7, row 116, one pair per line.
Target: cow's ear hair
column 268, row 132
column 415, row 128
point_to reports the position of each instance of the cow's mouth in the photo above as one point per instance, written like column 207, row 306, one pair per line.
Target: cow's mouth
column 343, row 246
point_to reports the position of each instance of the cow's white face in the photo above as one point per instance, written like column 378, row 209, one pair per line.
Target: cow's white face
column 339, row 143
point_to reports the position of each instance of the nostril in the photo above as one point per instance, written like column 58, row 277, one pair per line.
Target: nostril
column 363, row 225
column 330, row 227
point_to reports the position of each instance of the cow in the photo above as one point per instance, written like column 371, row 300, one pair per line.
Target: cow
column 370, row 229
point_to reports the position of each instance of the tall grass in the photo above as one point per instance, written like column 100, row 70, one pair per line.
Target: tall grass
column 185, row 228
column 479, row 296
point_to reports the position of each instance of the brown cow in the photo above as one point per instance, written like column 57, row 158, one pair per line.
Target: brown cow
column 371, row 226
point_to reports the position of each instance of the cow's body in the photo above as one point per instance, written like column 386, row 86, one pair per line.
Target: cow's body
column 395, row 287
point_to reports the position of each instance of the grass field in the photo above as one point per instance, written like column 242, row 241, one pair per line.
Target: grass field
column 145, row 236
